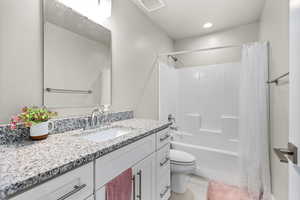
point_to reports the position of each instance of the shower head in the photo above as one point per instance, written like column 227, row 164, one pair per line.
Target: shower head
column 173, row 58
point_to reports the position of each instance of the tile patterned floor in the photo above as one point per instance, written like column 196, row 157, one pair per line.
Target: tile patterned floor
column 197, row 190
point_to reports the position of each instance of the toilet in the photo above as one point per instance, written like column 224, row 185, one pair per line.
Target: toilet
column 182, row 164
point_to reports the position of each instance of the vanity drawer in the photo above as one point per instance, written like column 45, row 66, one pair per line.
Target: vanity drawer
column 164, row 187
column 74, row 185
column 162, row 138
column 113, row 164
column 163, row 161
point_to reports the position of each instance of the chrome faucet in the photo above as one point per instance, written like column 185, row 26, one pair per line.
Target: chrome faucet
column 103, row 110
column 96, row 111
column 172, row 120
column 106, row 113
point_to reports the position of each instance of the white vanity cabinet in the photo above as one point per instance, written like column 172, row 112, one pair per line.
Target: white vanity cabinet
column 143, row 181
column 148, row 158
column 150, row 163
column 113, row 164
column 163, row 167
column 74, row 185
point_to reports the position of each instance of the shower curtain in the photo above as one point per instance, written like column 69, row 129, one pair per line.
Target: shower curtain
column 253, row 123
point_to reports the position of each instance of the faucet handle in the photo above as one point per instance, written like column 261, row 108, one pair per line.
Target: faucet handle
column 171, row 118
column 106, row 107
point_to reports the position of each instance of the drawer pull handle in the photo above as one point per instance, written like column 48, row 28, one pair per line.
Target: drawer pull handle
column 139, row 196
column 164, row 162
column 164, row 138
column 133, row 182
column 76, row 189
column 164, row 192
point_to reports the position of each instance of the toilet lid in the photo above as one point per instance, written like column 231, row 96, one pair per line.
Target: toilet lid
column 181, row 156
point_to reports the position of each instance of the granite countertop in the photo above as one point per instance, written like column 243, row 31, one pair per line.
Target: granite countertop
column 31, row 163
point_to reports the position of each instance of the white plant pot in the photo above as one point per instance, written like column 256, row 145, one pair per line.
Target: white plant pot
column 40, row 131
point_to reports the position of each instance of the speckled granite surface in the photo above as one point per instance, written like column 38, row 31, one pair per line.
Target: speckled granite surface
column 31, row 163
column 8, row 136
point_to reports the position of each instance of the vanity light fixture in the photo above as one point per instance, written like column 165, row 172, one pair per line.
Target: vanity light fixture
column 207, row 25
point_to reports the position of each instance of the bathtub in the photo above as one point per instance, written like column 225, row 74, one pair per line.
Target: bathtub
column 212, row 163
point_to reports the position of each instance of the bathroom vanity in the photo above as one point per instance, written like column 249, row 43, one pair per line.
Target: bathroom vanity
column 72, row 166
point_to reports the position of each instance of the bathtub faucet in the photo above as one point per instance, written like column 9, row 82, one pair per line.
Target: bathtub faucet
column 172, row 120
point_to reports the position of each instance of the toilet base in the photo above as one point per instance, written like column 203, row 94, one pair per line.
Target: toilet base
column 179, row 182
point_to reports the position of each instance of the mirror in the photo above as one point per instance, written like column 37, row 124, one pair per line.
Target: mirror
column 77, row 59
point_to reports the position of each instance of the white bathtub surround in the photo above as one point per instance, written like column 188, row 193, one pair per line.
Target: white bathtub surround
column 253, row 117
column 204, row 100
column 205, row 94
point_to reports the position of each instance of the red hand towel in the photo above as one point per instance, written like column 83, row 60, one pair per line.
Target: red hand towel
column 120, row 187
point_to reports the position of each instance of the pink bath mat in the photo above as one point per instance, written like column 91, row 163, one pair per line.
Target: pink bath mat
column 221, row 191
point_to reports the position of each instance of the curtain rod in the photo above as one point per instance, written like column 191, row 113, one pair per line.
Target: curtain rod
column 198, row 50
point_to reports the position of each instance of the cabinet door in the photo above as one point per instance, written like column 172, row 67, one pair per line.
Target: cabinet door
column 144, row 176
column 113, row 164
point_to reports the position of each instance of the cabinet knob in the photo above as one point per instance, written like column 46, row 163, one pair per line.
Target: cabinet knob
column 164, row 138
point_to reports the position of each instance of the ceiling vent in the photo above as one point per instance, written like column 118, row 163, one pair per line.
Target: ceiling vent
column 152, row 5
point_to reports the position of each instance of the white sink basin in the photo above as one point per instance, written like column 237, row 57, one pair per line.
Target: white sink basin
column 107, row 134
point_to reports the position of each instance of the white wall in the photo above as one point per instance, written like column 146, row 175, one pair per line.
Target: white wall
column 274, row 28
column 136, row 41
column 20, row 56
column 235, row 36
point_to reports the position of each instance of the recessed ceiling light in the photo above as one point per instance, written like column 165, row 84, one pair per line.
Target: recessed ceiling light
column 207, row 25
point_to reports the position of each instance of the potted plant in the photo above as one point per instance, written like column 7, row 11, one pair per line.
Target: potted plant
column 37, row 119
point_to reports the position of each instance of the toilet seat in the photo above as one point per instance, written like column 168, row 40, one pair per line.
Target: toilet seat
column 181, row 158
column 183, row 163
